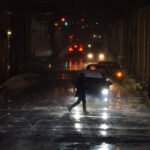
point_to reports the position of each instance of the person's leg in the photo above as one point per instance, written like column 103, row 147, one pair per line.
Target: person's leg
column 84, row 104
column 74, row 104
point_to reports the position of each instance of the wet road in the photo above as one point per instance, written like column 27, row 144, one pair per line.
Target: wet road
column 38, row 119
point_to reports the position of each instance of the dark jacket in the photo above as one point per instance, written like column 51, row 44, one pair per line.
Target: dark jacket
column 80, row 86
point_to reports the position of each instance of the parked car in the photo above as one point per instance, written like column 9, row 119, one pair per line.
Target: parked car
column 111, row 69
column 94, row 56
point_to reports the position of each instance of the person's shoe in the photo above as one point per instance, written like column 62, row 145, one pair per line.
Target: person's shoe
column 69, row 109
column 85, row 113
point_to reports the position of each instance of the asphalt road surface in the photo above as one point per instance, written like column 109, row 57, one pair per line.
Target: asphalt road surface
column 38, row 119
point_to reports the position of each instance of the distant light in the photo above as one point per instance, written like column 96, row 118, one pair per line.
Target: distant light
column 89, row 45
column 82, row 20
column 94, row 35
column 101, row 57
column 81, row 49
column 90, row 55
column 56, row 24
column 75, row 46
column 8, row 67
column 9, row 33
column 99, row 36
column 82, row 27
column 70, row 49
column 63, row 76
column 66, row 64
column 66, row 23
column 63, row 19
column 50, row 65
column 71, row 36
column 97, row 23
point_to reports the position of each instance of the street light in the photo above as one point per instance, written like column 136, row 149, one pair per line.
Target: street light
column 9, row 33
column 89, row 45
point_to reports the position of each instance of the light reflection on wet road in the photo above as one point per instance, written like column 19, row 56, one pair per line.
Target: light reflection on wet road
column 45, row 123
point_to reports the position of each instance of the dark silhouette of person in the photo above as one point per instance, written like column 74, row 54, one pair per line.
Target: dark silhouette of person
column 80, row 93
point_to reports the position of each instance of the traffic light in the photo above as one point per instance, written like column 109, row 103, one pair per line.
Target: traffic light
column 66, row 23
column 63, row 19
column 82, row 19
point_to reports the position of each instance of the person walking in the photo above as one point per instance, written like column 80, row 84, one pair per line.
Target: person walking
column 80, row 93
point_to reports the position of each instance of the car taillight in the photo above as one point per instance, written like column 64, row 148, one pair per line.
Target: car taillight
column 70, row 49
column 92, row 68
column 119, row 74
column 75, row 46
column 81, row 49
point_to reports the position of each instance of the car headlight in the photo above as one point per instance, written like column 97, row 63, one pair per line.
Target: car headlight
column 101, row 57
column 105, row 91
column 90, row 55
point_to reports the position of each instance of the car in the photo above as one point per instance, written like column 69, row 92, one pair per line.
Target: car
column 96, row 84
column 111, row 69
column 94, row 56
column 97, row 67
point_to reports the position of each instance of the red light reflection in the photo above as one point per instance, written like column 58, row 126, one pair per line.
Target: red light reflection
column 63, row 76
column 70, row 65
column 63, row 89
column 81, row 63
column 75, row 65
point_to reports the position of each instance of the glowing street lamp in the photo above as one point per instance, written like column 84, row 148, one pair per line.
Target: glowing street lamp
column 89, row 45
column 9, row 33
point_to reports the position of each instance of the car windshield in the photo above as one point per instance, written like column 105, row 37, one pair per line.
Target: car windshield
column 93, row 74
column 109, row 64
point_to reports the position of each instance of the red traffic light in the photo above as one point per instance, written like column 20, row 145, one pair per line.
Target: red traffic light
column 82, row 19
column 63, row 19
column 81, row 49
column 70, row 49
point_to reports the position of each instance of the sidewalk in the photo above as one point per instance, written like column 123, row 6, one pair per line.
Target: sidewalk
column 137, row 88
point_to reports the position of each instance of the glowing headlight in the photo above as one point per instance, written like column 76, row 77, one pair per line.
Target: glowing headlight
column 101, row 56
column 105, row 91
column 90, row 55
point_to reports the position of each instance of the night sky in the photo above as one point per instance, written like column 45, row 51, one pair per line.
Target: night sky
column 75, row 8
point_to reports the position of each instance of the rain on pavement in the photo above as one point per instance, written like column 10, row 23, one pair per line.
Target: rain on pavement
column 38, row 118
